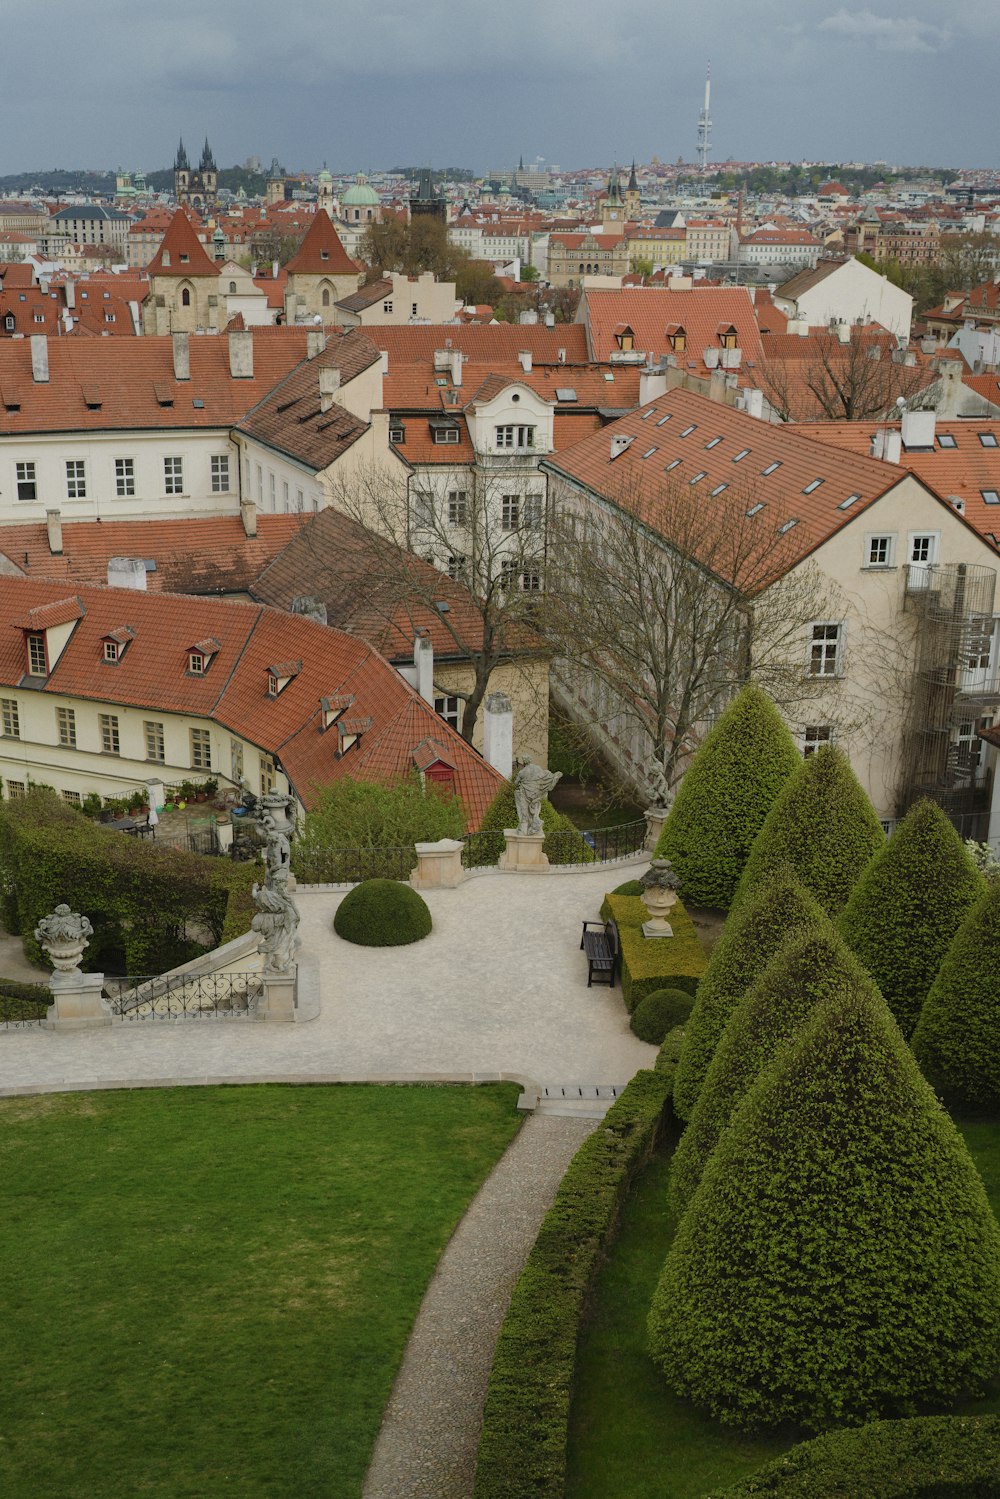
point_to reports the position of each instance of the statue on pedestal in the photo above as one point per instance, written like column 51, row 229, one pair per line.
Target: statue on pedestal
column 658, row 785
column 531, row 785
column 275, row 924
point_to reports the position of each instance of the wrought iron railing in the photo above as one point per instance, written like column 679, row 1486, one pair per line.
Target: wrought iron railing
column 180, row 996
column 349, row 866
column 482, row 850
column 564, row 847
column 621, row 842
column 19, row 1014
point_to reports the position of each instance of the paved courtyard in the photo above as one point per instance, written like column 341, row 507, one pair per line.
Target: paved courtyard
column 498, row 986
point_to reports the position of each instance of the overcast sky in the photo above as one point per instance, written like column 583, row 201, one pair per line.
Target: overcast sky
column 362, row 83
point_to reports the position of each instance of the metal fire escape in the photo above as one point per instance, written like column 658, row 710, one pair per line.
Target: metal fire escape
column 955, row 684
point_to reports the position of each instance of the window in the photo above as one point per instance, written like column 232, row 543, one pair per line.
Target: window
column 10, row 718
column 510, row 509
column 813, row 736
column 456, row 566
column 72, row 797
column 825, row 650
column 66, row 727
column 201, row 749
column 771, row 467
column 743, row 453
column 756, row 509
column 674, row 463
column 37, row 666
column 272, row 684
column 990, row 496
column 124, row 477
column 153, row 733
column 284, row 496
column 786, row 526
column 423, row 510
column 446, row 435
column 508, row 573
column 923, row 548
column 448, row 709
column 397, row 432
column 649, row 452
column 173, row 476
column 27, row 489
column 267, row 774
column 532, row 517
column 887, row 824
column 16, row 790
column 260, row 487
column 386, row 306
column 880, row 551
column 515, row 437
column 713, row 442
column 458, row 508
column 988, row 439
column 236, row 760
column 531, row 582
column 946, row 440
column 664, row 419
column 110, row 740
column 813, row 486
column 220, row 473
column 697, row 477
column 846, row 504
column 196, row 663
column 76, row 479
column 270, row 490
column 186, row 297
column 686, row 431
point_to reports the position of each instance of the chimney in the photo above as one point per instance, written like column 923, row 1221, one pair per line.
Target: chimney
column 241, row 354
column 457, row 360
column 69, row 292
column 717, row 386
column 652, row 383
column 248, row 515
column 498, row 733
column 887, row 445
column 423, row 665
column 315, row 342
column 53, row 524
column 561, row 356
column 385, row 362
column 275, row 266
column 127, row 572
column 39, row 358
column 918, row 429
column 182, row 356
column 329, row 384
column 753, row 403
column 524, row 359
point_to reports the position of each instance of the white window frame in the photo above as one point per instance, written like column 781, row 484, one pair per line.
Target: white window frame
column 221, row 482
column 125, row 478
column 110, row 733
column 173, row 474
column 10, row 718
column 815, row 735
column 510, row 512
column 76, row 479
column 450, row 709
column 152, row 730
column 458, row 507
column 824, row 658
column 38, row 662
column 446, row 436
column 66, row 727
column 26, row 476
column 201, row 749
column 933, row 537
column 872, row 540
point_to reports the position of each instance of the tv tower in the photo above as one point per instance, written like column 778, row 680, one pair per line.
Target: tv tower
column 705, row 125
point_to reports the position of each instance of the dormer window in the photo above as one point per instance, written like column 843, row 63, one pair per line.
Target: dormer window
column 196, row 663
column 676, row 337
column 37, row 666
column 165, row 258
column 333, row 708
column 272, row 685
column 201, row 655
column 728, row 337
column 350, row 731
column 324, row 255
column 279, row 676
column 624, row 338
column 115, row 642
column 112, row 650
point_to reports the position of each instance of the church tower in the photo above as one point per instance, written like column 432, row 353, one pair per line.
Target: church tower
column 195, row 188
column 613, row 211
column 182, row 173
column 632, row 198
column 207, row 171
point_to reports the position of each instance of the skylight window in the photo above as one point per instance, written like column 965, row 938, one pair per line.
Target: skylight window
column 990, row 496
column 846, row 504
column 648, row 412
column 811, row 487
column 718, row 489
column 988, row 439
column 946, row 440
column 664, row 418
column 771, row 467
column 697, row 477
column 686, row 431
column 786, row 526
column 714, row 443
column 649, row 452
column 743, row 453
column 672, row 464
column 756, row 509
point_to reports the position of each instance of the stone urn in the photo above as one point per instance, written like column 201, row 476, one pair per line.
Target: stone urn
column 63, row 935
column 278, row 806
column 659, row 894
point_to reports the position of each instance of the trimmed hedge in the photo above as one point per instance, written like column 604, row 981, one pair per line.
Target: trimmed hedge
column 502, row 813
column 823, row 825
column 840, row 1261
column 928, row 1457
column 957, row 1039
column 907, row 906
column 727, row 791
column 382, row 913
column 648, row 964
column 522, row 1450
column 669, row 1053
column 139, row 896
column 659, row 1013
column 630, row 887
column 752, row 935
column 812, row 965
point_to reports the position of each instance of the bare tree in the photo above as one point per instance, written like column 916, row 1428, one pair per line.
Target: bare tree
column 658, row 626
column 837, row 379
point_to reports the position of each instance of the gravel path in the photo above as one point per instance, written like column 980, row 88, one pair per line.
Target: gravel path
column 427, row 1446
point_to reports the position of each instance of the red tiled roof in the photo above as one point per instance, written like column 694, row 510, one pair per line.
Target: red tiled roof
column 47, row 616
column 495, row 342
column 181, row 252
column 152, row 674
column 321, row 252
column 648, row 310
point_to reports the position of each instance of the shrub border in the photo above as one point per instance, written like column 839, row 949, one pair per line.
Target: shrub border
column 523, row 1447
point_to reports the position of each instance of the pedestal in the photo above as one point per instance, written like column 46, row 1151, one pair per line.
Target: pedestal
column 78, row 1003
column 655, row 818
column 439, row 865
column 278, row 1002
column 525, row 853
column 657, row 928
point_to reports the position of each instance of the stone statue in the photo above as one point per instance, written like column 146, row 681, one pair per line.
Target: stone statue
column 275, row 924
column 63, row 935
column 531, row 785
column 278, row 853
column 657, row 781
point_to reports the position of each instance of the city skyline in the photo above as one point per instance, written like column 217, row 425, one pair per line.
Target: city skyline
column 352, row 82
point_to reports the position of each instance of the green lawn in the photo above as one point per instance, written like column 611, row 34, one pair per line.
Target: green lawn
column 207, row 1291
column 629, row 1435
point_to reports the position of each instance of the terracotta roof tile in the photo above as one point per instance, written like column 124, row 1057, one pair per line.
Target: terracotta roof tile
column 321, row 252
column 181, row 252
column 648, row 310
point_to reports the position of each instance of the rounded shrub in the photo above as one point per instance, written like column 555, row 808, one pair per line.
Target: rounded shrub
column 630, row 887
column 957, row 1039
column 382, row 913
column 659, row 1013
column 927, row 1457
column 907, row 906
column 751, row 937
column 813, row 964
column 823, row 825
column 839, row 1261
column 727, row 791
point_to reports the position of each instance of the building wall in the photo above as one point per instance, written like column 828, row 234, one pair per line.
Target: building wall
column 526, row 683
column 852, row 292
column 423, row 299
column 164, row 311
column 304, row 296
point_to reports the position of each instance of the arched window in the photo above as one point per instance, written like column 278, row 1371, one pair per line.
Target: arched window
column 232, row 286
column 185, row 297
column 326, row 296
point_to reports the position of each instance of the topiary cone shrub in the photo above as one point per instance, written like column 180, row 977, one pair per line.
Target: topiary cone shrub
column 811, row 966
column 907, row 906
column 823, row 825
column 839, row 1261
column 725, row 795
column 382, row 913
column 751, row 937
column 957, row 1039
column 659, row 1013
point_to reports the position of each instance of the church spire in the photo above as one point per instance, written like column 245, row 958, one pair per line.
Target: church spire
column 181, row 163
column 633, row 185
column 207, row 159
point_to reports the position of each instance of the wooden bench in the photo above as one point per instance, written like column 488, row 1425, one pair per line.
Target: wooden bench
column 602, row 951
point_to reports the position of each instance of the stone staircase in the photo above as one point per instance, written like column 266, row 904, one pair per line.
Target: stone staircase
column 571, row 1100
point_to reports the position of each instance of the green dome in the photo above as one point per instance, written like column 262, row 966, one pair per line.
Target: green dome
column 360, row 195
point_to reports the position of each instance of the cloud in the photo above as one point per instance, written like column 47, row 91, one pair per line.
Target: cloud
column 888, row 33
